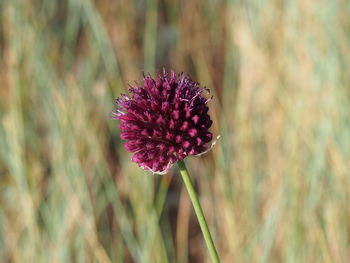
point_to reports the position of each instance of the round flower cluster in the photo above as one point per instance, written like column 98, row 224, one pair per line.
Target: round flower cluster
column 164, row 120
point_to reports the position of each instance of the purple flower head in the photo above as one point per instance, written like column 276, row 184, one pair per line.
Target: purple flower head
column 164, row 120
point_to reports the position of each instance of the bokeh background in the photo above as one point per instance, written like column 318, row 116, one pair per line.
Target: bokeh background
column 276, row 188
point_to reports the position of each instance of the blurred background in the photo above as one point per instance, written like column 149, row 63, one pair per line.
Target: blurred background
column 275, row 188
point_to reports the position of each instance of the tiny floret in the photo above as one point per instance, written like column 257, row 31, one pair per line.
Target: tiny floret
column 164, row 120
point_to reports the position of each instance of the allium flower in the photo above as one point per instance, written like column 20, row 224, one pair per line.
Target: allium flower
column 164, row 120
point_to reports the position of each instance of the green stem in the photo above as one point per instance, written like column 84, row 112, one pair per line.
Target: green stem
column 199, row 212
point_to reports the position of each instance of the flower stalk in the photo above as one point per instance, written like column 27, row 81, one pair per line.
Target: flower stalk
column 199, row 211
